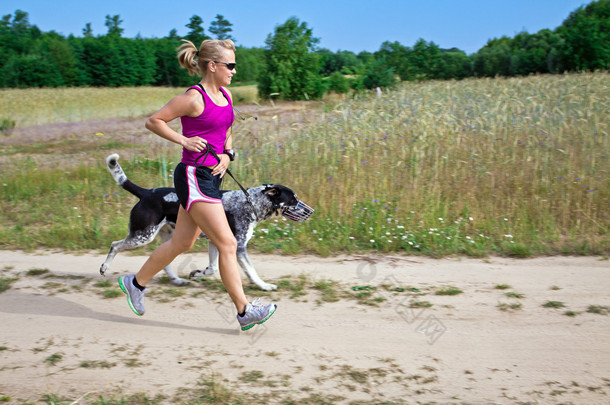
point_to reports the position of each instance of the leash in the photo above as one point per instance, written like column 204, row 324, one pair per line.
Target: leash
column 248, row 198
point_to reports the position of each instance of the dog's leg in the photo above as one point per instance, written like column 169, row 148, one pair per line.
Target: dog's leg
column 132, row 241
column 248, row 268
column 165, row 234
column 212, row 266
column 115, row 248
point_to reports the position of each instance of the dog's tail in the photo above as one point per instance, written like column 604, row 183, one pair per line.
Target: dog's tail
column 112, row 162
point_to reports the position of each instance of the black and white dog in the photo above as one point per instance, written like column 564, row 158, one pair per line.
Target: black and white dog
column 156, row 212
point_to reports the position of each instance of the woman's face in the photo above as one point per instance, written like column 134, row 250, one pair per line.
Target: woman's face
column 222, row 72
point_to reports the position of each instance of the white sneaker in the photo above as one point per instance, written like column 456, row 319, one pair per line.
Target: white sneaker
column 135, row 297
column 256, row 313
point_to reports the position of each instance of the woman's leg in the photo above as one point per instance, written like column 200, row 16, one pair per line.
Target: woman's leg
column 211, row 218
column 184, row 237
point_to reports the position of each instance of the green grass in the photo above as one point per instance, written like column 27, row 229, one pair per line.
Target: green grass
column 515, row 167
column 509, row 307
column 554, row 304
column 420, row 304
column 598, row 309
column 53, row 359
column 37, row 272
column 5, row 283
column 449, row 291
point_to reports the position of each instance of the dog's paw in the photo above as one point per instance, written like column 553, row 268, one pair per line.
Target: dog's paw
column 201, row 273
column 267, row 287
column 103, row 269
column 180, row 281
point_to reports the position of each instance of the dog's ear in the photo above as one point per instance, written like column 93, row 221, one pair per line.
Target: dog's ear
column 271, row 190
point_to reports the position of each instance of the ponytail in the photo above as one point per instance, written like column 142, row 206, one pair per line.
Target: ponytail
column 187, row 57
column 195, row 61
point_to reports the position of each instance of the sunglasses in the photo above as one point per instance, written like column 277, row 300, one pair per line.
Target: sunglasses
column 229, row 66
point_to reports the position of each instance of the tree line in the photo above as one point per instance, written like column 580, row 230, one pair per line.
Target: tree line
column 290, row 65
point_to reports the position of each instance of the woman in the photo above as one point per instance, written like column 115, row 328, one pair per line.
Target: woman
column 206, row 112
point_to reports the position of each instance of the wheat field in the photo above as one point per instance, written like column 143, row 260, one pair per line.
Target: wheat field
column 481, row 166
column 43, row 106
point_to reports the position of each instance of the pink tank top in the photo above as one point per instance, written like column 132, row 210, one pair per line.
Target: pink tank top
column 212, row 125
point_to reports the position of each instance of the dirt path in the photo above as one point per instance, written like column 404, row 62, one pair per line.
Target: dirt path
column 60, row 335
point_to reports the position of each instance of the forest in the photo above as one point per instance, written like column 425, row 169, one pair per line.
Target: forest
column 291, row 65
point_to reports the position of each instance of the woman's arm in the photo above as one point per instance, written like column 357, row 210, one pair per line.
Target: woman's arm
column 186, row 104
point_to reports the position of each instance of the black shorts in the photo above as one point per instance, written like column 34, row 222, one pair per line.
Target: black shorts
column 196, row 184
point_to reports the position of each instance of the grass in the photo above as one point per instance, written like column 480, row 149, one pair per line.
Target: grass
column 509, row 307
column 37, row 272
column 554, row 304
column 5, row 283
column 449, row 291
column 598, row 309
column 53, row 359
column 513, row 294
column 97, row 103
column 96, row 364
column 515, row 167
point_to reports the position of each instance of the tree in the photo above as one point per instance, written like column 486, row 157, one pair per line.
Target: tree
column 292, row 66
column 250, row 63
column 397, row 57
column 113, row 23
column 221, row 28
column 342, row 61
column 494, row 58
column 587, row 37
column 456, row 64
column 338, row 83
column 196, row 34
column 378, row 74
column 87, row 31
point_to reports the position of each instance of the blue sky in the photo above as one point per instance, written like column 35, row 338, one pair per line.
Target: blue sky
column 354, row 25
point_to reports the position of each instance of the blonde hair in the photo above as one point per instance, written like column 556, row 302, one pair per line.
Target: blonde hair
column 195, row 61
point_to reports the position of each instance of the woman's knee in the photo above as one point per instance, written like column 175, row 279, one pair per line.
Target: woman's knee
column 181, row 246
column 227, row 244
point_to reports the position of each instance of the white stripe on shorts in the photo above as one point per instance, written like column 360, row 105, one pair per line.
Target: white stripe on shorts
column 195, row 193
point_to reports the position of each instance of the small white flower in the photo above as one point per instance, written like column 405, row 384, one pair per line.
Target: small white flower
column 508, row 236
column 352, row 238
column 471, row 218
column 372, row 240
column 75, row 208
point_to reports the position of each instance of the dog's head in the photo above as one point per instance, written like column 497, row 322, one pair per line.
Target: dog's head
column 286, row 203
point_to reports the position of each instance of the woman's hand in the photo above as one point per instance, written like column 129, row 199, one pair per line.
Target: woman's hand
column 195, row 144
column 221, row 167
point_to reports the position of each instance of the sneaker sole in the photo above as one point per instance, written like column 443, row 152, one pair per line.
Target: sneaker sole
column 260, row 322
column 128, row 298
